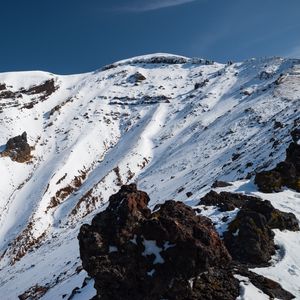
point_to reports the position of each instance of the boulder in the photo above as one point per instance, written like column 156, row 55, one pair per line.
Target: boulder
column 134, row 254
column 249, row 238
column 225, row 201
column 18, row 149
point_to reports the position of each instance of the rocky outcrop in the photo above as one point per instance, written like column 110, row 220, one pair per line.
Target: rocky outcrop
column 171, row 253
column 249, row 238
column 286, row 173
column 18, row 149
column 225, row 201
column 135, row 254
column 136, row 78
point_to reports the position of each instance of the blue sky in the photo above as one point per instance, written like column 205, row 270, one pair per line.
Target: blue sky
column 74, row 36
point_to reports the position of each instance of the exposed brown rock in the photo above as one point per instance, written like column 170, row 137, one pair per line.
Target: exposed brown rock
column 249, row 238
column 135, row 254
column 34, row 293
column 225, row 201
column 18, row 149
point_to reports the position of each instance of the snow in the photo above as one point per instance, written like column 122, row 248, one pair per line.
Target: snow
column 152, row 249
column 249, row 291
column 105, row 127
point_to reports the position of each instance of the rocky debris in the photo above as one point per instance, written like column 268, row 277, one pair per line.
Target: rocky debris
column 268, row 286
column 135, row 254
column 34, row 293
column 249, row 238
column 136, row 78
column 18, row 149
column 225, row 201
column 220, row 184
column 2, row 86
column 286, row 173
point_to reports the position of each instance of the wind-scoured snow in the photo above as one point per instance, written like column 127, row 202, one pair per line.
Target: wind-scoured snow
column 188, row 123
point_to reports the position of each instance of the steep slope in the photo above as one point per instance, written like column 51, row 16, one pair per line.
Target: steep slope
column 170, row 123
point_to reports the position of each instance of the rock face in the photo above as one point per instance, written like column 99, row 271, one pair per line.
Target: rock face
column 286, row 173
column 249, row 238
column 18, row 149
column 135, row 254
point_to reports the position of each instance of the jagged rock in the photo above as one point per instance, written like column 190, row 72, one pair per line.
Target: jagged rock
column 218, row 184
column 135, row 254
column 286, row 173
column 18, row 149
column 249, row 238
column 225, row 201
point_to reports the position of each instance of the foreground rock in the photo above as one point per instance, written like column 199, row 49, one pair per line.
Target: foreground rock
column 18, row 149
column 286, row 173
column 168, row 254
column 171, row 253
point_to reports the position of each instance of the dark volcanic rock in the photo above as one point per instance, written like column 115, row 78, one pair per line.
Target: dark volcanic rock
column 18, row 149
column 225, row 201
column 286, row 173
column 268, row 181
column 215, row 284
column 218, row 184
column 249, row 238
column 133, row 254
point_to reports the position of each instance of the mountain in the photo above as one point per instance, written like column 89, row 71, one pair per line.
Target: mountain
column 171, row 124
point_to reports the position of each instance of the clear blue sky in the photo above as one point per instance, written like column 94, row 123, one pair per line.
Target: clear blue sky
column 74, row 36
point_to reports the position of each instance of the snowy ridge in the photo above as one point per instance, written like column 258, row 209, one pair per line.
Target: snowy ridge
column 185, row 124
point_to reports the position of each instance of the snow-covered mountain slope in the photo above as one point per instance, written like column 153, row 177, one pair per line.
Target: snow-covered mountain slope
column 170, row 123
